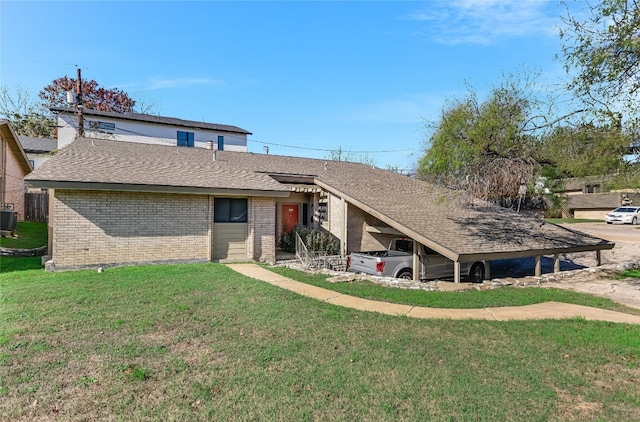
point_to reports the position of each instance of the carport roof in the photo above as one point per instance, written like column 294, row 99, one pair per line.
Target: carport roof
column 428, row 214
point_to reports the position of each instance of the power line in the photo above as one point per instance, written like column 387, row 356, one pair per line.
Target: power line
column 169, row 142
column 331, row 149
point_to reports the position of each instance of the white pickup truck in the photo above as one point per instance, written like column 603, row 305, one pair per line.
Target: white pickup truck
column 397, row 261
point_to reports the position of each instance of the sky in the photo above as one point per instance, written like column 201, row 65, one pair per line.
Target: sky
column 304, row 77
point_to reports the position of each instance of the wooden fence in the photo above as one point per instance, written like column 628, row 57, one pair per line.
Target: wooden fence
column 36, row 206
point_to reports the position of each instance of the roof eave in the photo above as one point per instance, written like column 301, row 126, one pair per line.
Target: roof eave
column 493, row 256
column 126, row 187
column 14, row 144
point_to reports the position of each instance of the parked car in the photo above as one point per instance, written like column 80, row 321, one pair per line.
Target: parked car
column 397, row 261
column 624, row 215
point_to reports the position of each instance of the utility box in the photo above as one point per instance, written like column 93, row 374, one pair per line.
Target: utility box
column 8, row 220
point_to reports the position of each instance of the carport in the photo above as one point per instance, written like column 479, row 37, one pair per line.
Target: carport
column 457, row 229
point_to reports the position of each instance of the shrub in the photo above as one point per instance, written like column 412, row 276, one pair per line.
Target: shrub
column 314, row 240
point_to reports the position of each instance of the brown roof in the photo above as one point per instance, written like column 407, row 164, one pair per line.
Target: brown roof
column 8, row 134
column 422, row 211
column 595, row 200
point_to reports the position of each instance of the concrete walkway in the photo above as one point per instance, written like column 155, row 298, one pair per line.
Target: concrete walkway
column 548, row 310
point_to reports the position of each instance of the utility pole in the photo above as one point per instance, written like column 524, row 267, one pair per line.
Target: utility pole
column 80, row 133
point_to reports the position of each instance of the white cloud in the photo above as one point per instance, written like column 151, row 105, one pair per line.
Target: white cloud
column 486, row 21
column 182, row 82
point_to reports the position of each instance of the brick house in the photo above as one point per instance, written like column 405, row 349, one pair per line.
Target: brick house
column 117, row 203
column 14, row 166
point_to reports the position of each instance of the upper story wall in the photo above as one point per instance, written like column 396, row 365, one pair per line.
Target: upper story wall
column 104, row 127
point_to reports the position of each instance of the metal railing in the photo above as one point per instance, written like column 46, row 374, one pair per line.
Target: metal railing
column 317, row 260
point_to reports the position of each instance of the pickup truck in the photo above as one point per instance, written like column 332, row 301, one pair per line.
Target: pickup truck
column 397, row 261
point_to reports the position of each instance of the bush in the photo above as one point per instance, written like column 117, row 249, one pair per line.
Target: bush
column 314, row 240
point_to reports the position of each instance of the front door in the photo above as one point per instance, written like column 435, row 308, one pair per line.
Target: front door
column 290, row 217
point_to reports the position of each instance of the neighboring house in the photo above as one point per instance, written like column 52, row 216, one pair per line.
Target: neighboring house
column 146, row 128
column 587, row 198
column 38, row 150
column 118, row 203
column 14, row 166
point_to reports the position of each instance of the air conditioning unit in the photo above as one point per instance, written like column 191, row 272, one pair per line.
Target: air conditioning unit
column 8, row 220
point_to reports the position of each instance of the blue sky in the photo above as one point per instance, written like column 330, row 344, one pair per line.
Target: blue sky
column 304, row 77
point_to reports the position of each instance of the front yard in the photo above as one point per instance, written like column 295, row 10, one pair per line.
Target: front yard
column 201, row 342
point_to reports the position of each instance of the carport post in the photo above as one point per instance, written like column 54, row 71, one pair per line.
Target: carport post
column 556, row 263
column 538, row 271
column 416, row 262
column 598, row 257
column 456, row 271
column 487, row 270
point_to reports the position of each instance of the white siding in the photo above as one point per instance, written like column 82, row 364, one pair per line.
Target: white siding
column 143, row 132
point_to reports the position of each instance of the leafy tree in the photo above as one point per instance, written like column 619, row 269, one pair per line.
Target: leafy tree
column 26, row 115
column 586, row 150
column 486, row 148
column 93, row 96
column 604, row 50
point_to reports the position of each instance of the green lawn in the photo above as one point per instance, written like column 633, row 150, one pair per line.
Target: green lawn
column 572, row 220
column 29, row 236
column 201, row 342
column 506, row 296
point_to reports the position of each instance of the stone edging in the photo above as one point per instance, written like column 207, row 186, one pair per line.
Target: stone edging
column 435, row 285
column 21, row 253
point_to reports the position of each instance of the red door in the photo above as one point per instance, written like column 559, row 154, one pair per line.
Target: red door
column 289, row 217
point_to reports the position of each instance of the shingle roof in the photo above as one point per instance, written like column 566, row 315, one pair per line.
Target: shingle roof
column 37, row 145
column 9, row 135
column 149, row 118
column 422, row 211
column 595, row 200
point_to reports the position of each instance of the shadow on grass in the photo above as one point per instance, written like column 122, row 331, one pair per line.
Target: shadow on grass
column 10, row 264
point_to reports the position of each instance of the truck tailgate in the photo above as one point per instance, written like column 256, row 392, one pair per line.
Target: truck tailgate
column 362, row 263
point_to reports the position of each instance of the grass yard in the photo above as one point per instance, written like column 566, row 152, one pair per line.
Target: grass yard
column 506, row 296
column 29, row 235
column 201, row 342
column 572, row 220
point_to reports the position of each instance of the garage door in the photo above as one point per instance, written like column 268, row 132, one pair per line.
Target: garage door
column 230, row 241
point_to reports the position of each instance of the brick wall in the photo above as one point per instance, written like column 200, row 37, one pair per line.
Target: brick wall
column 262, row 227
column 358, row 239
column 100, row 228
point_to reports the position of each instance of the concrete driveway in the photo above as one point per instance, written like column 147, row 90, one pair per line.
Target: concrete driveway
column 599, row 283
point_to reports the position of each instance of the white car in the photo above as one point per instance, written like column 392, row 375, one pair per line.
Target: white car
column 624, row 215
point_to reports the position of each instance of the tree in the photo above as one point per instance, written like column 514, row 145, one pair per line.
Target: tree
column 486, row 148
column 26, row 115
column 586, row 150
column 93, row 96
column 604, row 50
column 343, row 155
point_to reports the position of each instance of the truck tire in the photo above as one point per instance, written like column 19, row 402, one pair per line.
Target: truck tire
column 476, row 275
column 405, row 274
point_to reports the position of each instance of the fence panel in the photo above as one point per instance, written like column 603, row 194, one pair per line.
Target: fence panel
column 36, row 206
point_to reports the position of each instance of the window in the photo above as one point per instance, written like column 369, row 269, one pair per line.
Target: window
column 185, row 139
column 230, row 210
column 103, row 127
column 220, row 143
